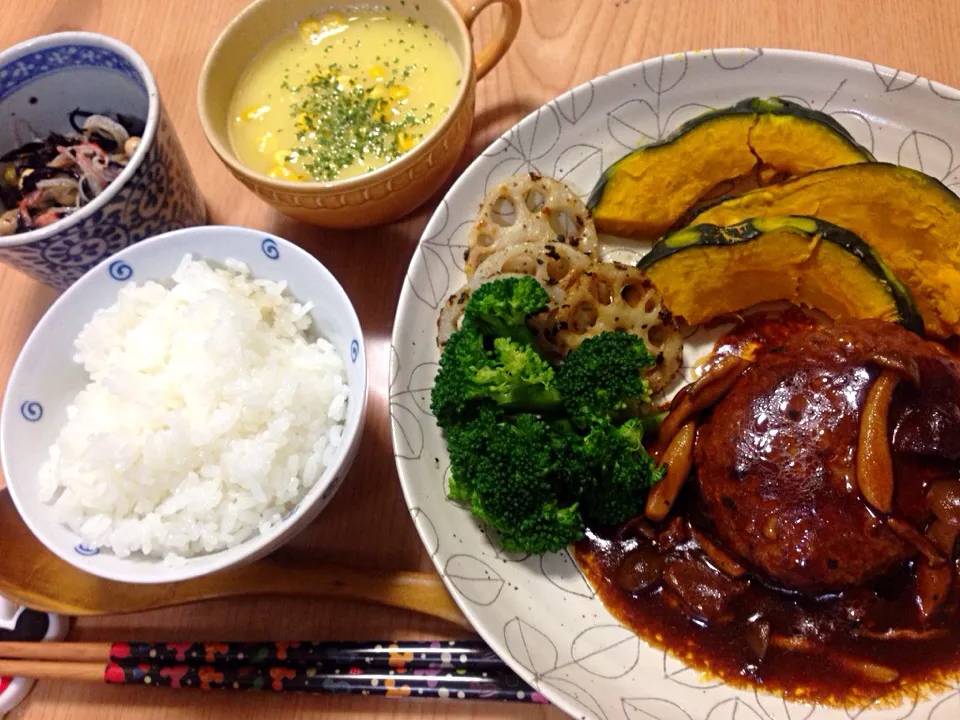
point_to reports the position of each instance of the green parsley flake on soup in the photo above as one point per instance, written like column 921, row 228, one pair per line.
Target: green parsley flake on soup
column 342, row 95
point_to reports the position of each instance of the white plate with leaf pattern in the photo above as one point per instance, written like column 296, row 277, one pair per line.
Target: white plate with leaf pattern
column 538, row 613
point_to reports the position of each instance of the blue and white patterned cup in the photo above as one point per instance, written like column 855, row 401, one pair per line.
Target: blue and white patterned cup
column 41, row 82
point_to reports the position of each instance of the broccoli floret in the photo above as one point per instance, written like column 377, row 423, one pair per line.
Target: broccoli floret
column 615, row 472
column 467, row 445
column 508, row 374
column 521, row 449
column 603, row 378
column 552, row 529
column 530, row 470
column 500, row 308
column 507, row 469
column 455, row 385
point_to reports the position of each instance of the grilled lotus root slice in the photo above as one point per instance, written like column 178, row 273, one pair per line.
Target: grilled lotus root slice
column 452, row 311
column 613, row 296
column 449, row 320
column 529, row 208
column 553, row 264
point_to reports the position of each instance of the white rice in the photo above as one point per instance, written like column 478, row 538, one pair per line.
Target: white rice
column 208, row 415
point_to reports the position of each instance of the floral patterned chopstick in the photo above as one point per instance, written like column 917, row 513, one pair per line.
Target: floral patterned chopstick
column 412, row 655
column 447, row 669
column 485, row 685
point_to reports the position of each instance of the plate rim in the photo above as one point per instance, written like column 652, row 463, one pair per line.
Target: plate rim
column 489, row 635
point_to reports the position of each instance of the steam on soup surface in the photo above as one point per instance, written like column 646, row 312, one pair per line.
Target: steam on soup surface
column 344, row 94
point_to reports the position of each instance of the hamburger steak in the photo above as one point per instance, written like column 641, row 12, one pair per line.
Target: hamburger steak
column 776, row 461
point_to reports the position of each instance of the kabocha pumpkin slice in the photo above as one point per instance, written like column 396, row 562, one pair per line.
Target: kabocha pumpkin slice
column 529, row 208
column 613, row 296
column 752, row 143
column 910, row 219
column 707, row 271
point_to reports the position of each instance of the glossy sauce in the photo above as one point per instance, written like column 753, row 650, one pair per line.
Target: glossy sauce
column 754, row 334
column 761, row 331
column 721, row 647
column 845, row 647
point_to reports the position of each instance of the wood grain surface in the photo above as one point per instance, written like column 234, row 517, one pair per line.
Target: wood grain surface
column 561, row 43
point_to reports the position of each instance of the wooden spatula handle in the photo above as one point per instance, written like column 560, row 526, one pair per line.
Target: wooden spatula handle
column 33, row 576
column 420, row 592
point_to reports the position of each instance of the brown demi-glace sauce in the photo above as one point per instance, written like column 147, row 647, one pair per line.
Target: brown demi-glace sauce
column 848, row 647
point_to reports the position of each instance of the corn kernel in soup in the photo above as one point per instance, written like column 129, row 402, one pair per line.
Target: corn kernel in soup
column 345, row 93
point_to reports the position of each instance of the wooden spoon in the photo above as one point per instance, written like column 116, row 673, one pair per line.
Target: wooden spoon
column 33, row 576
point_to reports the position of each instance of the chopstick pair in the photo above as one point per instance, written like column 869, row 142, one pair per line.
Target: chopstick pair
column 433, row 669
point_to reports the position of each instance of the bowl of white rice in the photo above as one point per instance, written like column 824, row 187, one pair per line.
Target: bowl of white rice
column 188, row 405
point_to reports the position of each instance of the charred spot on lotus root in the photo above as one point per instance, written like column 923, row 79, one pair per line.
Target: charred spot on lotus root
column 448, row 322
column 529, row 209
column 451, row 313
column 583, row 317
column 553, row 265
column 544, row 329
column 557, row 269
column 630, row 294
column 601, row 290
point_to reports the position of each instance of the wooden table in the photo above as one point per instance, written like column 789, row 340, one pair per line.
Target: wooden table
column 562, row 43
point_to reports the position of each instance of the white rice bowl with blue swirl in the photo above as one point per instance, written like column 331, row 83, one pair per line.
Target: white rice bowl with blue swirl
column 184, row 408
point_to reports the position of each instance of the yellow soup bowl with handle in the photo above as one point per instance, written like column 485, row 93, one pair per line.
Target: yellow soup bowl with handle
column 380, row 195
